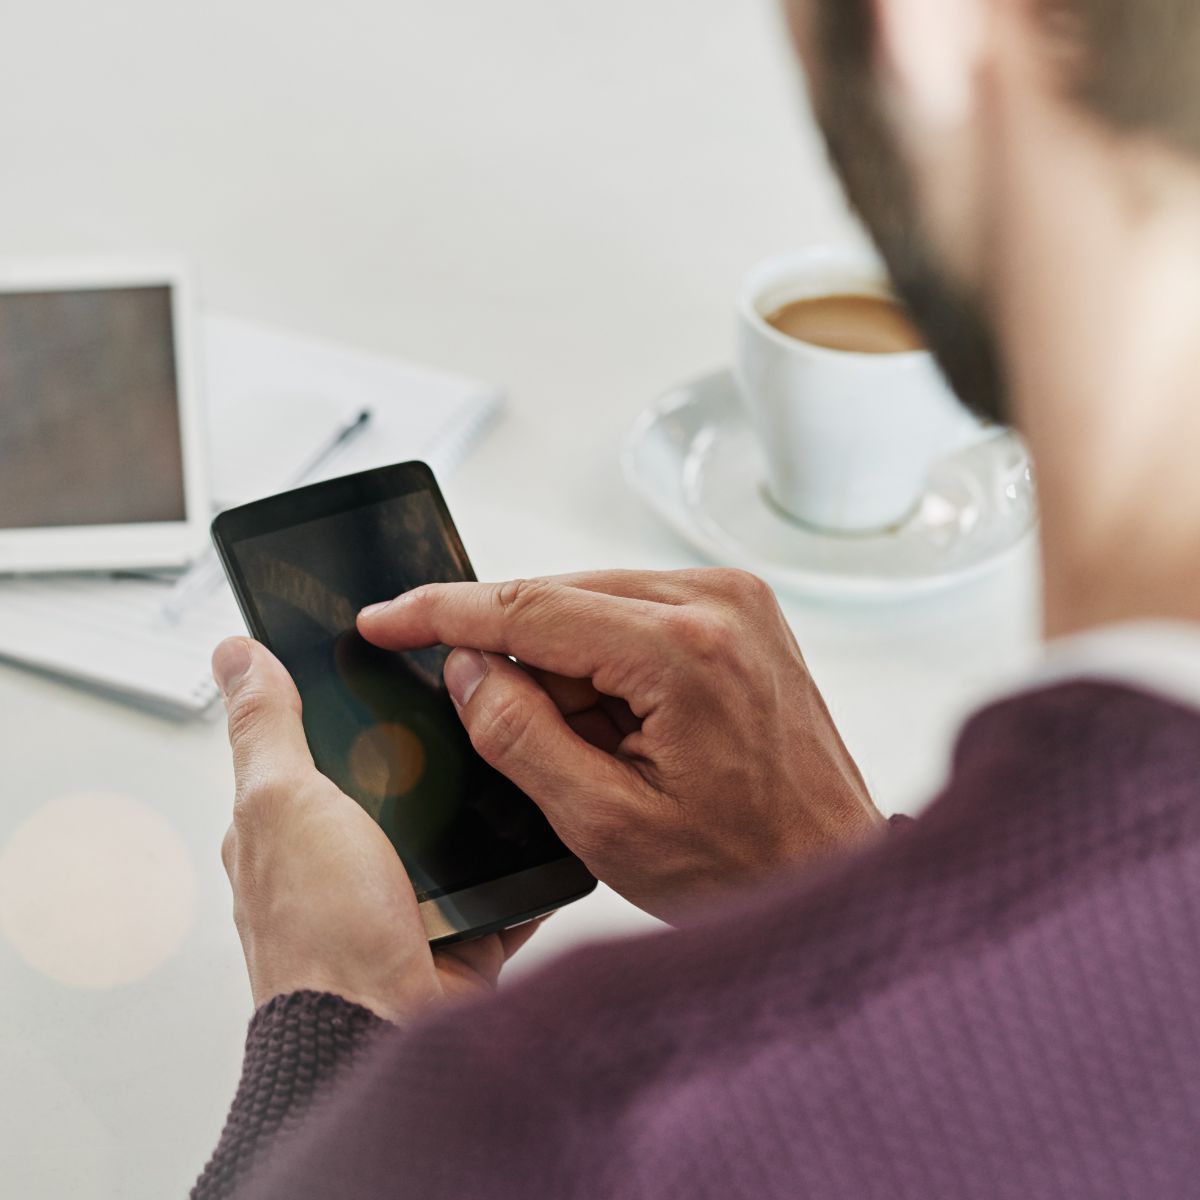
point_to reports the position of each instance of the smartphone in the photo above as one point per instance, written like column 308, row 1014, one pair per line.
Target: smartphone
column 381, row 724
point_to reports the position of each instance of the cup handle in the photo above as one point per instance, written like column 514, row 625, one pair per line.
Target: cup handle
column 976, row 433
column 1010, row 475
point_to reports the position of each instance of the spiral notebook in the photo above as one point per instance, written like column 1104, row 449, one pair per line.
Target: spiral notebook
column 271, row 398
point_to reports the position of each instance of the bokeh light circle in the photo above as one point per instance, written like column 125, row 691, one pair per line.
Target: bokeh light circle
column 96, row 890
column 387, row 760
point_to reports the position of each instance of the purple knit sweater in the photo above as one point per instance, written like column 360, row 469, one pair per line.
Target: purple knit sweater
column 1002, row 1000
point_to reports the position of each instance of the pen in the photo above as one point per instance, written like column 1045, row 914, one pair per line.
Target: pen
column 205, row 573
column 322, row 455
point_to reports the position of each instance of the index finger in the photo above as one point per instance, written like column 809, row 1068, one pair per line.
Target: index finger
column 541, row 622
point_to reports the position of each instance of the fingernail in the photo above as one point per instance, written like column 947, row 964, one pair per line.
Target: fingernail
column 231, row 660
column 464, row 672
column 372, row 609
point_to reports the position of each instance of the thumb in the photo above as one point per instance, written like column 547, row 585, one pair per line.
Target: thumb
column 265, row 730
column 516, row 727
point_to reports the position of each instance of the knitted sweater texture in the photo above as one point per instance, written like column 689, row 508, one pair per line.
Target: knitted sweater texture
column 1000, row 1000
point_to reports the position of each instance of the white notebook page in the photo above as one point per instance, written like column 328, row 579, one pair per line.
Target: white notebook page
column 272, row 398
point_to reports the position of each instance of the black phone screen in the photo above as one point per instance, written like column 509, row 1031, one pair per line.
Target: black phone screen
column 381, row 724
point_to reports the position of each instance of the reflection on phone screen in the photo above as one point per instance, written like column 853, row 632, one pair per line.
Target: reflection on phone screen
column 381, row 724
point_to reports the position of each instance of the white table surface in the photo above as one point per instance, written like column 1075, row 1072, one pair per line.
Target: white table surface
column 555, row 194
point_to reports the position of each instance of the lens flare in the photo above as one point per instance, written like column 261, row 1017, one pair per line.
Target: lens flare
column 96, row 890
column 386, row 760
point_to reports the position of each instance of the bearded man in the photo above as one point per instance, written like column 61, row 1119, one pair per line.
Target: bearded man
column 996, row 1000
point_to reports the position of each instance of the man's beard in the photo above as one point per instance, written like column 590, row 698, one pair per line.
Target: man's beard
column 877, row 182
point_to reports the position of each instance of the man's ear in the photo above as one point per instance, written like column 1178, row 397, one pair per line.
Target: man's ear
column 929, row 53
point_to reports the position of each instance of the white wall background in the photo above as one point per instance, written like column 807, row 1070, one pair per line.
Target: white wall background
column 399, row 173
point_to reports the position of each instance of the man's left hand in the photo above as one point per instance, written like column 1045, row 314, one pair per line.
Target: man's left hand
column 321, row 898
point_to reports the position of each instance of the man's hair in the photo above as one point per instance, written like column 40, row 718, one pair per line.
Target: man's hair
column 1134, row 63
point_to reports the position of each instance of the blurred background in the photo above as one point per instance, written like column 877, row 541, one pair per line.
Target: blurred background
column 557, row 196
column 425, row 178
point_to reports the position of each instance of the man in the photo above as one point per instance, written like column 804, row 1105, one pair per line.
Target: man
column 997, row 1000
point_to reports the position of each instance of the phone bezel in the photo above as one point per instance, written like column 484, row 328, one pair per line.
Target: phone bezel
column 483, row 907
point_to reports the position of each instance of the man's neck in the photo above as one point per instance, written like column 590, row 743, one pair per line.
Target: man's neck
column 1095, row 278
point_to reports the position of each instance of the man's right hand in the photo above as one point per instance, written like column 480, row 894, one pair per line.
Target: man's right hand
column 664, row 722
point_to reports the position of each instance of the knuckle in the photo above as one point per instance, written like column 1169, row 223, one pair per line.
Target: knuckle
column 251, row 717
column 247, row 714
column 651, row 676
column 702, row 633
column 229, row 849
column 743, row 586
column 499, row 727
column 517, row 596
column 416, row 600
column 258, row 799
column 248, row 805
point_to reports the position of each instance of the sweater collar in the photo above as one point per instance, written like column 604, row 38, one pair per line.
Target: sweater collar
column 1161, row 657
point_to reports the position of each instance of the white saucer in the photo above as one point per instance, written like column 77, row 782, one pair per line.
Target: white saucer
column 694, row 459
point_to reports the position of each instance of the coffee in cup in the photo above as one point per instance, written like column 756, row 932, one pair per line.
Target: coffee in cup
column 849, row 406
column 855, row 323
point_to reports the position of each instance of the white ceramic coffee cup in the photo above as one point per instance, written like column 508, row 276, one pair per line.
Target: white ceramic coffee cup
column 849, row 438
